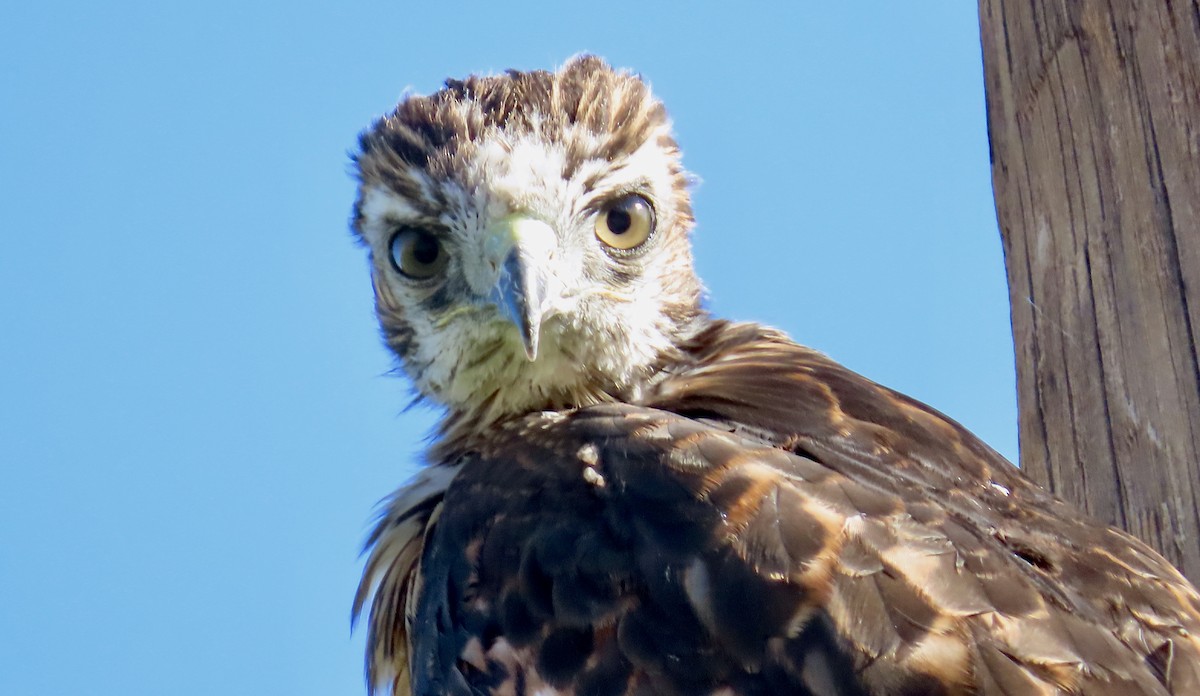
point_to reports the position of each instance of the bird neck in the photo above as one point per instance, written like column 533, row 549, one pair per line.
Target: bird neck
column 461, row 425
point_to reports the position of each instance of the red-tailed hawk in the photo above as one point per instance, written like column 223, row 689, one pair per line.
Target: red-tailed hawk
column 629, row 496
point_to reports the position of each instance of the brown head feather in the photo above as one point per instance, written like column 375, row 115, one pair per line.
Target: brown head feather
column 556, row 147
column 598, row 114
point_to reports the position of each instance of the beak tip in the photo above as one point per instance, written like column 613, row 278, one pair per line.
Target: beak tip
column 529, row 338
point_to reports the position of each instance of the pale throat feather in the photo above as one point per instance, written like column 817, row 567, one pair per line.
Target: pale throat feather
column 602, row 340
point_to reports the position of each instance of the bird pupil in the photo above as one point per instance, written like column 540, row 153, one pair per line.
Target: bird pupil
column 425, row 249
column 619, row 221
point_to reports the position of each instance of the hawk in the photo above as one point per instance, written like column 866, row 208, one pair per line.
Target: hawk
column 627, row 495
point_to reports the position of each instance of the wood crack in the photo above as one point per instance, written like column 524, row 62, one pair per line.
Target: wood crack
column 1097, row 197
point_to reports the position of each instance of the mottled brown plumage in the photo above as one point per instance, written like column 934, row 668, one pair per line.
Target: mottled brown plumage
column 657, row 502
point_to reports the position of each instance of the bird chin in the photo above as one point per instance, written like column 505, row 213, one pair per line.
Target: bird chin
column 494, row 379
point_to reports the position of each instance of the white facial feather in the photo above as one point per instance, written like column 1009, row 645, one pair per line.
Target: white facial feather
column 600, row 339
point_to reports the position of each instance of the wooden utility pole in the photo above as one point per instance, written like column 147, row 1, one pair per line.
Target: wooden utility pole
column 1094, row 120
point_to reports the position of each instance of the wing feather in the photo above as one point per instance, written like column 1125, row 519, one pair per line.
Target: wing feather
column 769, row 522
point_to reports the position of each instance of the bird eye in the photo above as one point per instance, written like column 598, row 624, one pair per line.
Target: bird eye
column 626, row 223
column 417, row 253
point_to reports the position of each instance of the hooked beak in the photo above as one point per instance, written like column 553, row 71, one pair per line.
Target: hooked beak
column 520, row 249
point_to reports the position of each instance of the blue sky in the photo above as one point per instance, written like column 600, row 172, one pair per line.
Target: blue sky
column 195, row 413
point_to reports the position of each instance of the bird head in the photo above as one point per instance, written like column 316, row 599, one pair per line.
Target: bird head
column 528, row 237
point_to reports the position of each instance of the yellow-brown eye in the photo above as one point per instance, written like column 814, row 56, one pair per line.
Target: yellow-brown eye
column 626, row 223
column 417, row 253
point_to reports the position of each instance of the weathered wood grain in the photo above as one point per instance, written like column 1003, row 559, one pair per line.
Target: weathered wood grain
column 1094, row 119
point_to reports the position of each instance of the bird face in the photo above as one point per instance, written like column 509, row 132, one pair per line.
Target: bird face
column 528, row 234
